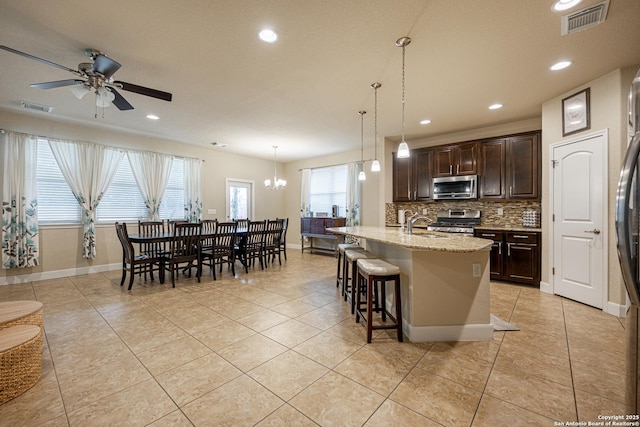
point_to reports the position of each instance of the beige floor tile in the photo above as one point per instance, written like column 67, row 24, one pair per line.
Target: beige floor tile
column 392, row 414
column 286, row 415
column 531, row 392
column 146, row 339
column 456, row 366
column 485, row 350
column 140, row 404
column 293, row 308
column 538, row 323
column 195, row 319
column 320, row 299
column 613, row 359
column 223, row 335
column 173, row 354
column 263, row 320
column 352, row 331
column 291, row 332
column 288, row 374
column 327, row 349
column 535, row 363
column 174, row 419
column 590, row 406
column 335, row 400
column 375, row 370
column 437, row 398
column 322, row 318
column 251, row 352
column 494, row 412
column 408, row 351
column 535, row 341
column 196, row 378
column 600, row 382
column 239, row 402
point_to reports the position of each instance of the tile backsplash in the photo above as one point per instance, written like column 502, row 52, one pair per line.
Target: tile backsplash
column 513, row 212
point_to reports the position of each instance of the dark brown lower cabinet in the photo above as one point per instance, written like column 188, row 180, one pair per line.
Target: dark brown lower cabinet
column 515, row 256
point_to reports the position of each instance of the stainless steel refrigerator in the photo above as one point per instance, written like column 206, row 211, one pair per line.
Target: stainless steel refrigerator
column 627, row 233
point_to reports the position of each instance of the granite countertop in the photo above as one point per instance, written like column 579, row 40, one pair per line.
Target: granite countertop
column 419, row 240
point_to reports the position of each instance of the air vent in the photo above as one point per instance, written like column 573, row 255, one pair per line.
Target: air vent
column 37, row 107
column 585, row 18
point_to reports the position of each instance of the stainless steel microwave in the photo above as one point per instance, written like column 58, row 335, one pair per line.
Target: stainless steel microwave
column 455, row 187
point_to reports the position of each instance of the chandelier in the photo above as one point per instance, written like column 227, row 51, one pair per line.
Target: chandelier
column 276, row 183
column 403, row 148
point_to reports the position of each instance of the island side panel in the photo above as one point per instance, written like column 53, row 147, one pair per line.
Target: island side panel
column 441, row 297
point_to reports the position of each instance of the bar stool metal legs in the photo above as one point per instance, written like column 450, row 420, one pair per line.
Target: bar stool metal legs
column 374, row 272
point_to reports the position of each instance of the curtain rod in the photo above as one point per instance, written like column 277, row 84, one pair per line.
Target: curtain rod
column 105, row 145
column 338, row 164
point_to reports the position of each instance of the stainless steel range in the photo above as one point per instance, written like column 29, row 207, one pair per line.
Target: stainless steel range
column 459, row 221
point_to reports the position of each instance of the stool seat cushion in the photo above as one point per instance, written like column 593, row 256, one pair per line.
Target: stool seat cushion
column 346, row 246
column 352, row 255
column 377, row 267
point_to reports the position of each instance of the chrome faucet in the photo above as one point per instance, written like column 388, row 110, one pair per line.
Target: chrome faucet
column 413, row 219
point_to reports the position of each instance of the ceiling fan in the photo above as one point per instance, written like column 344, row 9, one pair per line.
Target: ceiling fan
column 97, row 77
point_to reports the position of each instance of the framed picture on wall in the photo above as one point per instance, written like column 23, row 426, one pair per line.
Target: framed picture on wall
column 575, row 112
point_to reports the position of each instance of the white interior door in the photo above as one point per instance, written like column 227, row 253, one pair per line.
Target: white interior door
column 579, row 220
column 239, row 199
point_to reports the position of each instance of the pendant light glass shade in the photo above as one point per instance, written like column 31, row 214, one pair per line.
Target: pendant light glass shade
column 403, row 148
column 362, row 176
column 277, row 183
column 375, row 165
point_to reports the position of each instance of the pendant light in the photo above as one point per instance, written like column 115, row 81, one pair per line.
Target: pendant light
column 362, row 176
column 403, row 148
column 277, row 183
column 375, row 165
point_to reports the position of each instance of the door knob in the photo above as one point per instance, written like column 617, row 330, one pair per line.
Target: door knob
column 594, row 231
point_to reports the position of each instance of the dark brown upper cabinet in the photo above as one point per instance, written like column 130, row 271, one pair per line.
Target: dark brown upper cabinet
column 458, row 159
column 412, row 176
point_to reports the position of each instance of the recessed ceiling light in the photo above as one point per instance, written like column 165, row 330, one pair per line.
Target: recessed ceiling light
column 560, row 65
column 425, row 122
column 152, row 117
column 268, row 35
column 561, row 5
column 495, row 106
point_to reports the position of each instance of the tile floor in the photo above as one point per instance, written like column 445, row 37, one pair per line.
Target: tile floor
column 279, row 347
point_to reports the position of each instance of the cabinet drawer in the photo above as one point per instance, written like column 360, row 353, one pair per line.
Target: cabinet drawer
column 496, row 236
column 522, row 237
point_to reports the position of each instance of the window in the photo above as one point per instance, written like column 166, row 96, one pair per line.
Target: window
column 328, row 187
column 121, row 202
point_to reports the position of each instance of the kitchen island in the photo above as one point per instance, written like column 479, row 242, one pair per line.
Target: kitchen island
column 445, row 281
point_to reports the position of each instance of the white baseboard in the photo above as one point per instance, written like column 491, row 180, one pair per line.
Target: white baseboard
column 618, row 310
column 476, row 332
column 546, row 287
column 32, row 277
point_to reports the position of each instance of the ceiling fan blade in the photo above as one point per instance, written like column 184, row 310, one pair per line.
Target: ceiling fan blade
column 57, row 83
column 35, row 58
column 105, row 66
column 119, row 101
column 154, row 93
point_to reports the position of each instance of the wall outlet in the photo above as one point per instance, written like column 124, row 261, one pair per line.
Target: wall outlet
column 424, row 211
column 500, row 211
column 211, row 211
column 477, row 272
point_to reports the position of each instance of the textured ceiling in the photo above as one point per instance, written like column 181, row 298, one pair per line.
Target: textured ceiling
column 304, row 92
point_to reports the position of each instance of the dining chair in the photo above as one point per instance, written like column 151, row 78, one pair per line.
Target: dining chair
column 184, row 249
column 283, row 236
column 131, row 262
column 222, row 249
column 252, row 246
column 152, row 249
column 272, row 241
column 208, row 230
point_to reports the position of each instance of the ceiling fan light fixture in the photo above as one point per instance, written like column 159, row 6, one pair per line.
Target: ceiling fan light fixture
column 79, row 91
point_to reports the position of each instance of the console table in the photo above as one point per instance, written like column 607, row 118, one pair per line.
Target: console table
column 316, row 228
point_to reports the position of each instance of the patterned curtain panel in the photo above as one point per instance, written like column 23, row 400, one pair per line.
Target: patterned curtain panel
column 151, row 171
column 354, row 191
column 88, row 169
column 192, row 195
column 20, row 245
column 305, row 204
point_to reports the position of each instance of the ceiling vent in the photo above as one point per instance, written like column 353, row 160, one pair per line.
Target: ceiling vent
column 585, row 18
column 37, row 107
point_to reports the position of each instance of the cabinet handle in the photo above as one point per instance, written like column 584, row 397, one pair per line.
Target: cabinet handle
column 457, row 169
column 488, row 235
column 450, row 169
column 499, row 248
column 520, row 236
column 508, row 249
column 510, row 190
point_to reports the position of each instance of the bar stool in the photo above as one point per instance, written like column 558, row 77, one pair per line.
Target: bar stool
column 376, row 271
column 350, row 258
column 341, row 248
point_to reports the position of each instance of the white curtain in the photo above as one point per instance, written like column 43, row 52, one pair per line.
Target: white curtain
column 192, row 194
column 151, row 171
column 20, row 245
column 305, row 205
column 88, row 169
column 354, row 190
